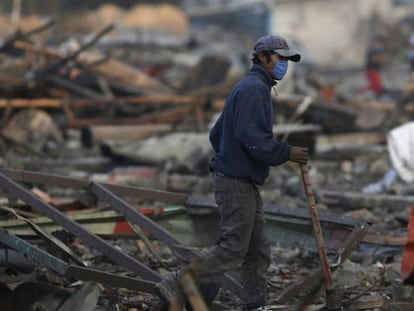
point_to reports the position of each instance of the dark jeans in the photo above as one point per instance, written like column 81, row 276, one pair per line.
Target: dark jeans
column 242, row 239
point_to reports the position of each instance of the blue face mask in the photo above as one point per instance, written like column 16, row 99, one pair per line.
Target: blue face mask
column 280, row 69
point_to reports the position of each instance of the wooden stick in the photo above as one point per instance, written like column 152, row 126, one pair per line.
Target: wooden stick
column 316, row 226
column 86, row 103
column 191, row 291
column 175, row 306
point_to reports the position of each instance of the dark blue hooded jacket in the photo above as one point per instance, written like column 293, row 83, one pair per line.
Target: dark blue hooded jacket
column 242, row 137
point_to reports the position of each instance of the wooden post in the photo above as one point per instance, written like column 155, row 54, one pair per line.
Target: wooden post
column 316, row 227
column 191, row 291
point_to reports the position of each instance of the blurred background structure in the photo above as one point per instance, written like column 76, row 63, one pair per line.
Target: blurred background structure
column 125, row 92
column 332, row 35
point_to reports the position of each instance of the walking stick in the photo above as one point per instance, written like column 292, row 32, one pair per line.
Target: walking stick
column 188, row 282
column 317, row 227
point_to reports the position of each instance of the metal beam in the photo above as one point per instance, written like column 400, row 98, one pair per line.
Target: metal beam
column 129, row 213
column 86, row 236
column 88, row 274
column 80, row 273
column 34, row 253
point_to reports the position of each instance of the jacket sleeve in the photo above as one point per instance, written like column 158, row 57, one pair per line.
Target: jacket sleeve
column 215, row 134
column 254, row 129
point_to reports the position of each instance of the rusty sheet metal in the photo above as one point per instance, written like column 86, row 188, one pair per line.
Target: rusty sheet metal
column 86, row 236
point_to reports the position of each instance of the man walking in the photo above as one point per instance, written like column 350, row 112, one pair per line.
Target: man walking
column 244, row 147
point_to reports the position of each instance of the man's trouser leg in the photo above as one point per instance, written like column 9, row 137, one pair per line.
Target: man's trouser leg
column 237, row 201
column 256, row 262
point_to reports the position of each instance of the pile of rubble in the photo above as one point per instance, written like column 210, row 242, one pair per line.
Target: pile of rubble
column 105, row 183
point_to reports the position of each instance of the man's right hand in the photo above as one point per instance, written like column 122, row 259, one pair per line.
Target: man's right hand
column 299, row 154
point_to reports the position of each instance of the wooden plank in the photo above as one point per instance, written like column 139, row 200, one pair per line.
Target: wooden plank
column 351, row 139
column 97, row 133
column 380, row 106
column 113, row 69
column 141, row 100
column 87, row 103
column 375, row 238
column 9, row 80
column 171, row 115
column 133, row 77
column 295, row 100
column 51, row 53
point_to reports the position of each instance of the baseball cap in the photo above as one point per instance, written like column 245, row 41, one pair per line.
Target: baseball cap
column 277, row 44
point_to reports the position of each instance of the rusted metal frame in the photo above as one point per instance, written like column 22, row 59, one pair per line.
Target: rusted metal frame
column 76, row 272
column 34, row 253
column 73, row 227
column 158, row 232
column 59, row 181
column 316, row 277
column 46, row 236
column 76, row 183
column 134, row 216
